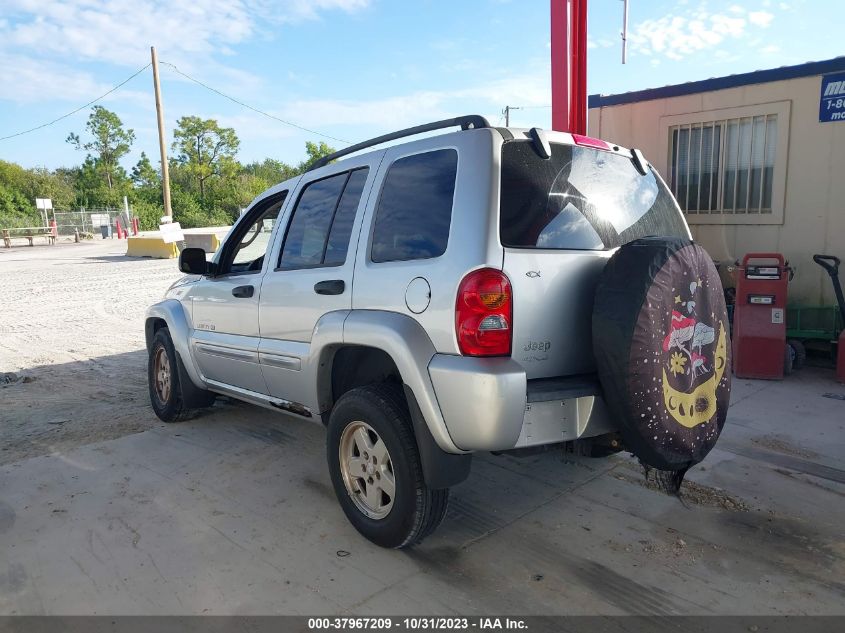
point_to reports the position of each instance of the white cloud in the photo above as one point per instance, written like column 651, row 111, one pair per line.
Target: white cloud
column 599, row 43
column 527, row 89
column 26, row 80
column 193, row 35
column 121, row 31
column 677, row 36
column 390, row 112
column 251, row 126
column 760, row 18
column 295, row 10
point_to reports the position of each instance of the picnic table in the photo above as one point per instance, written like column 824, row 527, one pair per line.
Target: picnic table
column 30, row 233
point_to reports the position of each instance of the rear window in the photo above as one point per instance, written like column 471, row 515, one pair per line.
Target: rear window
column 581, row 198
column 415, row 208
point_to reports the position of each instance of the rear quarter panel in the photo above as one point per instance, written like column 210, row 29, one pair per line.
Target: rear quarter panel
column 473, row 238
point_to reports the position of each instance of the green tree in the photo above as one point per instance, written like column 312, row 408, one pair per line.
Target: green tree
column 314, row 152
column 92, row 190
column 19, row 187
column 108, row 143
column 205, row 150
column 144, row 174
column 147, row 183
column 270, row 170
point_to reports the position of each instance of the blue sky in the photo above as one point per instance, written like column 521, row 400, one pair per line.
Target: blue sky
column 352, row 69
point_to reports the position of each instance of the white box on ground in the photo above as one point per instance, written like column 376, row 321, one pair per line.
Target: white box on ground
column 171, row 232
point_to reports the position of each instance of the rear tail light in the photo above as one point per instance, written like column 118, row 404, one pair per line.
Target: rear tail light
column 484, row 314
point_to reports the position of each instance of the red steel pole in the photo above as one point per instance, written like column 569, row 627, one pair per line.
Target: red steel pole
column 569, row 65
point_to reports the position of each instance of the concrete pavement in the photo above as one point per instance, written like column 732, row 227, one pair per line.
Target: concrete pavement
column 233, row 513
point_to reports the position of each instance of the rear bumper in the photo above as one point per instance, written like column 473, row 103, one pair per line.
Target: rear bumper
column 488, row 405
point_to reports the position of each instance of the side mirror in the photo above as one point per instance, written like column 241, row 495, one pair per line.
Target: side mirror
column 192, row 261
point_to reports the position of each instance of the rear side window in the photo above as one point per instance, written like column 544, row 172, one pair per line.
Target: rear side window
column 581, row 199
column 415, row 208
column 318, row 234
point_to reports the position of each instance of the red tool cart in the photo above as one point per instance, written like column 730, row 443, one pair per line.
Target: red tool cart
column 759, row 332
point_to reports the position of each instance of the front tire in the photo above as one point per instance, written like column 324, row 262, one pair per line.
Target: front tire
column 163, row 379
column 375, row 468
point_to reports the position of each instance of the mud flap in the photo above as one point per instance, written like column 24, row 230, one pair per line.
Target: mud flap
column 662, row 345
column 440, row 469
column 192, row 396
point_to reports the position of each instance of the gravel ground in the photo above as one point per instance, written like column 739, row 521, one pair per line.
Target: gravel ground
column 71, row 330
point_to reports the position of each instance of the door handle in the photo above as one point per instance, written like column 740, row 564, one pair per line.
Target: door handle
column 243, row 292
column 330, row 287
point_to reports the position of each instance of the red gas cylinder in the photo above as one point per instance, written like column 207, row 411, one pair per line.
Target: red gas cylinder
column 759, row 334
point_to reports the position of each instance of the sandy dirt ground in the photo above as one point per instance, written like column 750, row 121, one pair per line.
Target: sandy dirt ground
column 72, row 330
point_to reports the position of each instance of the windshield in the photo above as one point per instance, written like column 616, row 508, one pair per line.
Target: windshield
column 581, row 198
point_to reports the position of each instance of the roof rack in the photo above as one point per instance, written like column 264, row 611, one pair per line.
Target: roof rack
column 467, row 122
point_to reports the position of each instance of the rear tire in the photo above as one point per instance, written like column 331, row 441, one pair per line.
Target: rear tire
column 375, row 468
column 163, row 379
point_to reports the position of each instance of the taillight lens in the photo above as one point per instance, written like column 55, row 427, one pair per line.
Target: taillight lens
column 484, row 314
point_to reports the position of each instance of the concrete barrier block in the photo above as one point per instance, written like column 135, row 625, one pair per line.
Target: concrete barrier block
column 150, row 246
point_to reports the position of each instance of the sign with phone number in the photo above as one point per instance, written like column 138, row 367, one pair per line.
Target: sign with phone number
column 832, row 100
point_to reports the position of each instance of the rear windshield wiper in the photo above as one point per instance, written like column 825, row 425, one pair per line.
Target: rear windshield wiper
column 638, row 158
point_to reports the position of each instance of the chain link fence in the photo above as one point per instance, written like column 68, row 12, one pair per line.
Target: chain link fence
column 90, row 220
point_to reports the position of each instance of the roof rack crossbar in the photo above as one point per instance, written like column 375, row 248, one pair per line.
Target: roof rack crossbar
column 467, row 122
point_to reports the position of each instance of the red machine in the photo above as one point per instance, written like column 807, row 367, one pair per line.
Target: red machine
column 759, row 332
column 830, row 263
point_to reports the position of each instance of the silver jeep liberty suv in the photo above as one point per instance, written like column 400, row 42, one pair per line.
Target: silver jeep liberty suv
column 423, row 301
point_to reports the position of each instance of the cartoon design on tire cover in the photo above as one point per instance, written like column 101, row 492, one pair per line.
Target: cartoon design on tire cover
column 693, row 359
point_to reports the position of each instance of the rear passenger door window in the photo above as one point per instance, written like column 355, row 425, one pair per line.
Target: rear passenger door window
column 414, row 211
column 319, row 232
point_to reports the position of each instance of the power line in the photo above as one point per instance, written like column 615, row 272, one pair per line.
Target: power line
column 246, row 105
column 64, row 116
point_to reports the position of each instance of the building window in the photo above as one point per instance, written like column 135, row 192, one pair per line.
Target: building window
column 724, row 166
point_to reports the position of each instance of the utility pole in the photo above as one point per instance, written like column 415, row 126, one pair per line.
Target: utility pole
column 507, row 113
column 165, row 171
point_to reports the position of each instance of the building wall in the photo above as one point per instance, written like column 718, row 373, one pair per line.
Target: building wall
column 814, row 202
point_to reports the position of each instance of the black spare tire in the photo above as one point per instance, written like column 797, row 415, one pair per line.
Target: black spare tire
column 662, row 346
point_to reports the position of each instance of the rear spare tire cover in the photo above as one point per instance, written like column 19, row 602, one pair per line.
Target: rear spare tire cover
column 661, row 340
